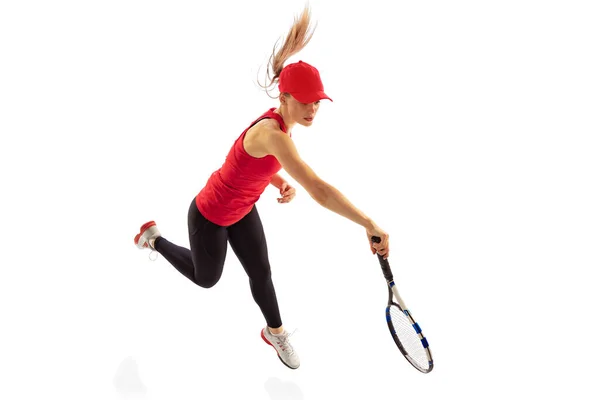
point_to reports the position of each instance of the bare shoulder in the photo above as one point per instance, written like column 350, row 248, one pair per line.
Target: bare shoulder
column 267, row 128
column 269, row 124
column 261, row 136
column 257, row 137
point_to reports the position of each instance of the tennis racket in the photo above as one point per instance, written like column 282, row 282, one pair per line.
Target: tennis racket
column 404, row 329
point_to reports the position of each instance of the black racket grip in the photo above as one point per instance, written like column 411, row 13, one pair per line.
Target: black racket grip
column 385, row 265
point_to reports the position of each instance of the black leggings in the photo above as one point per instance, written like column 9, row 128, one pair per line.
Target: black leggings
column 203, row 264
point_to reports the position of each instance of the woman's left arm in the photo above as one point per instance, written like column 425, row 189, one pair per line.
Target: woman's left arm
column 277, row 181
column 286, row 191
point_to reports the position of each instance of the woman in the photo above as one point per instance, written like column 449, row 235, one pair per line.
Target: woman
column 225, row 210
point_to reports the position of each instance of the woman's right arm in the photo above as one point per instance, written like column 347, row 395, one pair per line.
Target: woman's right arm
column 283, row 148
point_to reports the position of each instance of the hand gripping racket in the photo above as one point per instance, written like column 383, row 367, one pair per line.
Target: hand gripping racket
column 405, row 331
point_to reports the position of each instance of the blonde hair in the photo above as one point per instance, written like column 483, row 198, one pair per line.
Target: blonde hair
column 297, row 38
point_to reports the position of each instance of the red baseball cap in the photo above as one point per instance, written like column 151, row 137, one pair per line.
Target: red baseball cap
column 302, row 81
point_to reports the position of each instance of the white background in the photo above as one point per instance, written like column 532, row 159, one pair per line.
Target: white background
column 467, row 129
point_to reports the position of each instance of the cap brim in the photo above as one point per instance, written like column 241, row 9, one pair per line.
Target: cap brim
column 310, row 97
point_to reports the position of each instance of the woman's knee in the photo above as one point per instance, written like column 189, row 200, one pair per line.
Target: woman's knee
column 206, row 281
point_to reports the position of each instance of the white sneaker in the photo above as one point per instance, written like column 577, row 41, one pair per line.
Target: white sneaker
column 147, row 231
column 281, row 343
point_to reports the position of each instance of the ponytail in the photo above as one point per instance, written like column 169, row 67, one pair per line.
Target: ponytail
column 297, row 38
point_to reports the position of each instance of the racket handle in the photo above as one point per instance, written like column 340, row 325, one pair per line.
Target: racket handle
column 385, row 265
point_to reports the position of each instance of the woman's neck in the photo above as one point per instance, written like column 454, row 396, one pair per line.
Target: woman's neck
column 287, row 119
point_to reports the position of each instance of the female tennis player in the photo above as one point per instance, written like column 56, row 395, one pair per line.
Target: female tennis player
column 225, row 208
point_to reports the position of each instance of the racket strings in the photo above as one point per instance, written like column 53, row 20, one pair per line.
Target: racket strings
column 408, row 336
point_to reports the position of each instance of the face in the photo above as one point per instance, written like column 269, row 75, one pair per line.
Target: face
column 302, row 113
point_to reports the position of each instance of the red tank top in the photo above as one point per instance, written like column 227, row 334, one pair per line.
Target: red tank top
column 232, row 190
